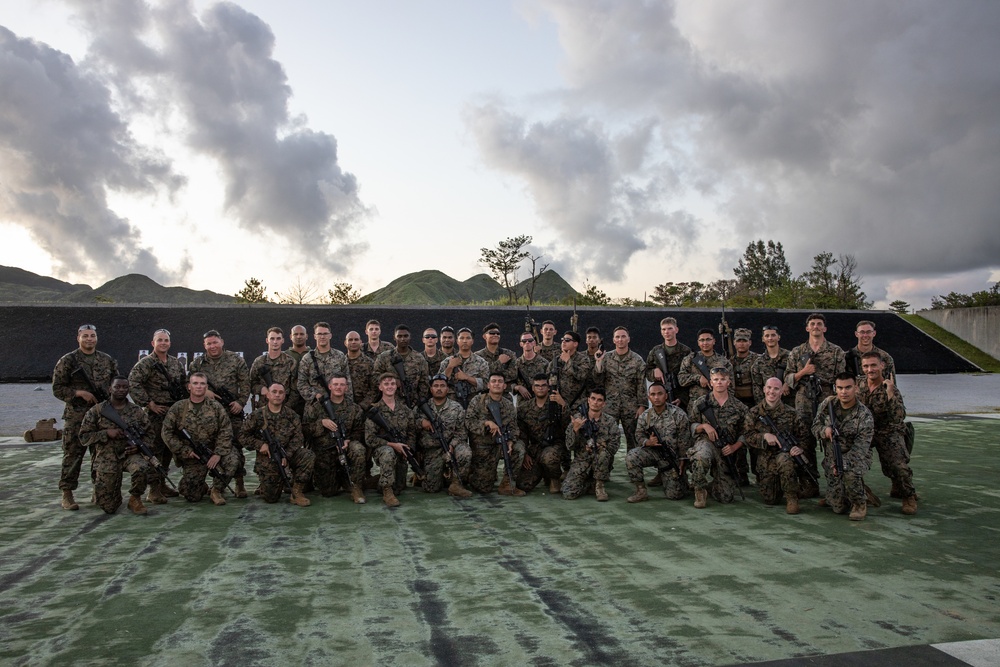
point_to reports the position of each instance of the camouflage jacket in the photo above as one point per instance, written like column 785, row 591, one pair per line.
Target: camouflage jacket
column 764, row 368
column 65, row 381
column 451, row 416
column 856, row 427
column 742, row 384
column 363, row 380
column 605, row 436
column 401, row 419
column 888, row 413
column 383, row 346
column 228, row 370
column 672, row 425
column 281, row 369
column 675, row 356
column 690, row 377
column 852, row 361
column 433, row 362
column 479, row 413
column 533, row 425
column 624, row 379
column 415, row 387
column 346, row 414
column 509, row 370
column 332, row 362
column 730, row 418
column 829, row 361
column 548, row 352
column 94, row 428
column 782, row 415
column 206, row 422
column 574, row 377
column 146, row 383
column 285, row 427
column 526, row 370
column 473, row 365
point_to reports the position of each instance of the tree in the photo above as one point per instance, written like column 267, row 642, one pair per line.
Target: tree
column 980, row 299
column 535, row 275
column 849, row 293
column 299, row 292
column 833, row 286
column 592, row 296
column 820, row 281
column 343, row 294
column 899, row 307
column 763, row 268
column 253, row 292
column 504, row 261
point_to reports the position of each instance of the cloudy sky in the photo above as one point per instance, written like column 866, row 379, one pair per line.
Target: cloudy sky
column 202, row 143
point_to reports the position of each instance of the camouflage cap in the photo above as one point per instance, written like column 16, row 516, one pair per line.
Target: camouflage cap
column 742, row 334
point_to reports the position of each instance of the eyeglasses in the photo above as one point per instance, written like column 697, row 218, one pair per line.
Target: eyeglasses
column 706, row 340
column 86, row 327
column 527, row 340
column 492, row 333
column 162, row 331
column 568, row 340
column 430, row 335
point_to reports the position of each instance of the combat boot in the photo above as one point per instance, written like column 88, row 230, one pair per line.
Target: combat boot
column 298, row 496
column 554, row 486
column 357, row 494
column 67, row 502
column 241, row 491
column 167, row 491
column 640, row 494
column 389, row 498
column 456, row 489
column 896, row 491
column 910, row 505
column 657, row 480
column 216, row 496
column 791, row 504
column 506, row 490
column 871, row 498
column 858, row 512
column 700, row 498
column 155, row 494
column 599, row 492
column 135, row 504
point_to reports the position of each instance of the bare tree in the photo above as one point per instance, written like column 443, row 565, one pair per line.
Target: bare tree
column 299, row 292
column 504, row 261
column 535, row 275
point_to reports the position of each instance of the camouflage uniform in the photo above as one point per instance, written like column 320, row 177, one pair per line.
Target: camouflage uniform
column 574, row 377
column 765, row 368
column 675, row 356
column 888, row 439
column 548, row 352
column 623, row 378
column 743, row 378
column 829, row 361
column 452, row 417
column 486, row 453
column 473, row 365
column 286, row 428
column 705, row 455
column 330, row 363
column 689, row 376
column 363, row 380
column 414, row 388
column 282, row 370
column 776, row 473
column 856, row 428
column 509, row 370
column 293, row 397
column 229, row 371
column 854, row 355
column 102, row 369
column 328, row 478
column 208, row 423
column 533, row 425
column 383, row 346
column 525, row 370
column 147, row 384
column 590, row 464
column 675, row 429
column 392, row 465
column 434, row 361
column 110, row 458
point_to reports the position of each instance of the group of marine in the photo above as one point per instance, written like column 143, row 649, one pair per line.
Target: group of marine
column 324, row 420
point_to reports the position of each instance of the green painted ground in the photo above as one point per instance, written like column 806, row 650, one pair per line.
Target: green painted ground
column 538, row 580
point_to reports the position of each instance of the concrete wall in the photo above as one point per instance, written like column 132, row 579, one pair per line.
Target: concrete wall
column 978, row 326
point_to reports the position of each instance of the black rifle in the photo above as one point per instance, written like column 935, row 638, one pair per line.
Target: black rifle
column 134, row 439
column 701, row 363
column 174, row 386
column 408, row 395
column 853, row 361
column 838, row 454
column 589, row 428
column 100, row 393
column 203, row 453
column 554, row 413
column 438, row 429
column 276, row 452
column 665, row 451
column 392, row 435
column 813, row 384
column 226, row 397
column 669, row 381
column 530, row 325
column 721, row 442
column 501, row 439
column 339, row 437
column 787, row 441
column 726, row 331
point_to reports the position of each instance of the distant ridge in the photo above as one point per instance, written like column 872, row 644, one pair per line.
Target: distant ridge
column 20, row 286
column 434, row 288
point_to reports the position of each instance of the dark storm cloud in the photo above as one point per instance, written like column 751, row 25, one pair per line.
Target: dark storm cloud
column 62, row 147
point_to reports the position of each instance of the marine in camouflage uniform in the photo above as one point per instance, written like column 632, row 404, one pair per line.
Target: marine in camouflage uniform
column 208, row 423
column 299, row 337
column 113, row 453
column 820, row 358
column 622, row 373
column 70, row 386
column 493, row 354
column 776, row 472
column 328, row 477
column 156, row 382
column 544, row 444
column 483, row 431
column 865, row 333
column 883, row 398
column 675, row 352
column 432, row 353
column 320, row 364
column 389, row 457
column 571, row 371
column 711, row 446
column 706, row 358
column 277, row 366
column 449, row 425
column 362, row 369
column 373, row 346
column 549, row 346
column 413, row 387
column 671, row 424
column 771, row 363
column 285, row 428
column 743, row 361
column 845, row 489
column 527, row 366
column 467, row 373
column 593, row 453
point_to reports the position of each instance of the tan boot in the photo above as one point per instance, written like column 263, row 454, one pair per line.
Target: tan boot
column 216, row 497
column 554, row 486
column 358, row 494
column 640, row 494
column 700, row 498
column 135, row 504
column 241, row 491
column 456, row 489
column 599, row 492
column 298, row 496
column 167, row 491
column 389, row 498
column 657, row 480
column 67, row 501
column 155, row 494
column 791, row 504
column 871, row 498
column 858, row 512
column 910, row 505
column 506, row 490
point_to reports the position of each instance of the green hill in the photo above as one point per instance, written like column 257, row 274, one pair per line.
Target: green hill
column 18, row 285
column 137, row 288
column 434, row 288
column 550, row 288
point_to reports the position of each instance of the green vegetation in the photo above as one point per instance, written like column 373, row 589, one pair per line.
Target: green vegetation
column 956, row 344
column 980, row 299
column 253, row 291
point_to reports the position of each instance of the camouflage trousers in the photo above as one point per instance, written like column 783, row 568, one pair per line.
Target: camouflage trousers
column 159, row 447
column 241, row 459
column 628, row 420
column 847, row 488
column 776, row 476
column 589, row 466
column 328, row 477
column 269, row 477
column 436, row 464
column 675, row 487
column 108, row 470
column 483, row 475
column 706, row 461
column 392, row 469
column 193, row 472
column 73, row 453
column 804, row 414
column 895, row 461
column 546, row 463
